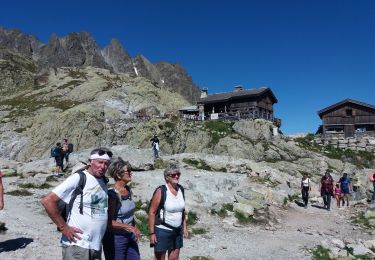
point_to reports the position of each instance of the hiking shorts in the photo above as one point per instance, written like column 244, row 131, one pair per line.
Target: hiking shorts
column 59, row 161
column 345, row 191
column 168, row 239
column 79, row 253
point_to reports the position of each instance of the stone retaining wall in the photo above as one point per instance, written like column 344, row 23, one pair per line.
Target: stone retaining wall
column 365, row 143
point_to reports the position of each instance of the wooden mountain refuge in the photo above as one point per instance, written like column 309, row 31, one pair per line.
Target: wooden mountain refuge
column 347, row 118
column 239, row 104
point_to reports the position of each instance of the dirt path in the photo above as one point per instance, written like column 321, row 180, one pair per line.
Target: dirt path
column 31, row 234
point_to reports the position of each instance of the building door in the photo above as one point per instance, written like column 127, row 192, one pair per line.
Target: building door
column 349, row 131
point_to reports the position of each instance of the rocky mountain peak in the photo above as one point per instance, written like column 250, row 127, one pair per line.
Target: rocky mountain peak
column 115, row 55
column 79, row 49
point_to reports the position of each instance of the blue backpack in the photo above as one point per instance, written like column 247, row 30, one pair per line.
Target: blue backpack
column 344, row 183
column 55, row 151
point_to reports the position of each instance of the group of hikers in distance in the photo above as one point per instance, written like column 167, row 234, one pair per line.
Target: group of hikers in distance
column 91, row 216
column 61, row 152
column 329, row 189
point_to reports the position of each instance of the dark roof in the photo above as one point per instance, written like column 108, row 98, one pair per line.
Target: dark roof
column 348, row 100
column 222, row 97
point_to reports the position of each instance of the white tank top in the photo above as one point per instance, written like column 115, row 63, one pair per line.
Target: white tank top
column 306, row 183
column 173, row 208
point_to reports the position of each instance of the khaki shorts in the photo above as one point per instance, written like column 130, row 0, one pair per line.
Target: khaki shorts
column 79, row 253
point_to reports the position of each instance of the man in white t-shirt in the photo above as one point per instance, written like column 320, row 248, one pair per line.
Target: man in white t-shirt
column 83, row 232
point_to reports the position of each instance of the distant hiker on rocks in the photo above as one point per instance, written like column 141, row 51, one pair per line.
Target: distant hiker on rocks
column 338, row 195
column 167, row 219
column 155, row 146
column 372, row 179
column 57, row 153
column 67, row 150
column 326, row 189
column 122, row 236
column 1, row 191
column 305, row 188
column 86, row 220
column 346, row 187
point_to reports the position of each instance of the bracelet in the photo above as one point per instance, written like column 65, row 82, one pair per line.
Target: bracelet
column 152, row 234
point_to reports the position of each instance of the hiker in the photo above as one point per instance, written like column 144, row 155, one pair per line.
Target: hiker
column 346, row 187
column 167, row 223
column 57, row 153
column 305, row 188
column 372, row 179
column 122, row 236
column 155, row 146
column 326, row 189
column 338, row 195
column 67, row 150
column 86, row 222
column 1, row 191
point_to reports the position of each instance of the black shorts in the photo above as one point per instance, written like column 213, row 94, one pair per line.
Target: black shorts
column 59, row 161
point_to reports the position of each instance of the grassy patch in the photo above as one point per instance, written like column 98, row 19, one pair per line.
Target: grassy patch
column 218, row 129
column 201, row 258
column 199, row 164
column 199, row 231
column 160, row 164
column 142, row 225
column 223, row 211
column 192, row 218
column 34, row 186
column 76, row 74
column 243, row 219
column 19, row 193
column 362, row 221
column 290, row 198
column 321, row 253
column 71, row 84
column 20, row 130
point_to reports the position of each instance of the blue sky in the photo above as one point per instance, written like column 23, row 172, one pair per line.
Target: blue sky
column 311, row 53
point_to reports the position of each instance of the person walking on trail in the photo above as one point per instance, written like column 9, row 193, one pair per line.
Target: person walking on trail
column 58, row 154
column 122, row 236
column 346, row 188
column 338, row 195
column 85, row 226
column 326, row 189
column 305, row 189
column 167, row 219
column 1, row 191
column 155, row 146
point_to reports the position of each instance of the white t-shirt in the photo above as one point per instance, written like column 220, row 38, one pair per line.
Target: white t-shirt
column 93, row 221
column 173, row 208
column 306, row 182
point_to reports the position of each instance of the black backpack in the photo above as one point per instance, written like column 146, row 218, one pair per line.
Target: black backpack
column 158, row 220
column 70, row 148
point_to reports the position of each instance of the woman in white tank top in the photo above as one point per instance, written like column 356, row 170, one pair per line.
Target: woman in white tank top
column 168, row 226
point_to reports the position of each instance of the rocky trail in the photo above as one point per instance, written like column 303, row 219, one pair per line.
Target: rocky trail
column 31, row 234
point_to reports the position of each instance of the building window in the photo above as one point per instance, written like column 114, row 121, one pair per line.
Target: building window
column 349, row 112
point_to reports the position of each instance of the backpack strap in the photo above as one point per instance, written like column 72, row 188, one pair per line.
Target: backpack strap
column 78, row 190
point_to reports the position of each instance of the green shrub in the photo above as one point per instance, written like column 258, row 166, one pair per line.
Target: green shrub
column 321, row 253
column 218, row 129
column 201, row 258
column 142, row 225
column 192, row 218
column 243, row 219
column 223, row 212
column 199, row 164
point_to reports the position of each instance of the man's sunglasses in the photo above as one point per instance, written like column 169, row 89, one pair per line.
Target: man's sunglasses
column 174, row 175
column 102, row 152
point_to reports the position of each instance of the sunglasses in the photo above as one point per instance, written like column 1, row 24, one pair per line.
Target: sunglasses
column 174, row 175
column 102, row 152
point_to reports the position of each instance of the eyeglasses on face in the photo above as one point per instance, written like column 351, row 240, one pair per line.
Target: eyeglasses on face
column 174, row 175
